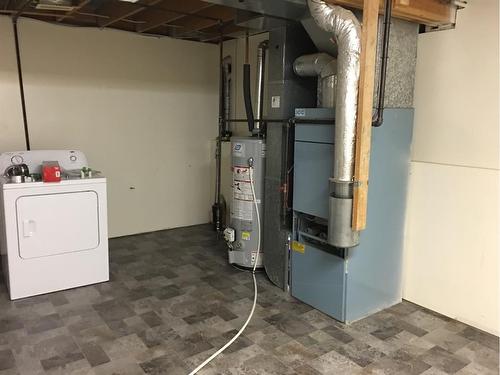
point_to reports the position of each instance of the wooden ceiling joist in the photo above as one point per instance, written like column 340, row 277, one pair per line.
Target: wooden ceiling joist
column 46, row 14
column 162, row 16
column 131, row 10
column 229, row 29
column 81, row 5
column 21, row 8
column 428, row 12
column 197, row 19
column 214, row 16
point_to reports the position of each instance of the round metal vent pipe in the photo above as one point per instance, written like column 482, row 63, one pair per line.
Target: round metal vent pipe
column 324, row 67
column 346, row 33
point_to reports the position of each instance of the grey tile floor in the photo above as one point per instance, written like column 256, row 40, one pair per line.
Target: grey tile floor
column 173, row 300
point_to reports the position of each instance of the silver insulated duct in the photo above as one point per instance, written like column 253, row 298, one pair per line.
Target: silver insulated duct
column 324, row 67
column 346, row 33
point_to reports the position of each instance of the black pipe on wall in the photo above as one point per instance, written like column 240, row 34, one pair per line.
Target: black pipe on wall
column 378, row 119
column 247, row 96
column 21, row 84
column 217, row 206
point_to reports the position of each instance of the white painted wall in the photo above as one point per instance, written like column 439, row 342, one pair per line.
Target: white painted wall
column 144, row 110
column 451, row 251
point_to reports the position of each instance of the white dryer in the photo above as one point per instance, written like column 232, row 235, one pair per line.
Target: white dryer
column 54, row 236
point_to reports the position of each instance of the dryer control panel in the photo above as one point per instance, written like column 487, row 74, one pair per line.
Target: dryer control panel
column 68, row 159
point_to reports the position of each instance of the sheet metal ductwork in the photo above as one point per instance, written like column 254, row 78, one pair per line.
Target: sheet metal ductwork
column 324, row 67
column 346, row 32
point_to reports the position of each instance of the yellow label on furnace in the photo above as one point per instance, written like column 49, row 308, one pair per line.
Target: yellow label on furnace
column 245, row 236
column 298, row 247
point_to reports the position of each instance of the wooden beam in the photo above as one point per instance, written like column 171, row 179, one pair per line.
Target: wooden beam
column 74, row 10
column 365, row 109
column 31, row 14
column 134, row 9
column 427, row 12
column 226, row 29
column 162, row 16
column 214, row 16
column 200, row 24
column 20, row 10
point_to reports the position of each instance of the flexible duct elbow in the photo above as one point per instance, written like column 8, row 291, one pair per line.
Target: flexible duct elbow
column 324, row 67
column 312, row 65
column 346, row 31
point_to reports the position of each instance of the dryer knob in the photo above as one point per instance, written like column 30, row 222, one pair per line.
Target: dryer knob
column 72, row 158
column 17, row 159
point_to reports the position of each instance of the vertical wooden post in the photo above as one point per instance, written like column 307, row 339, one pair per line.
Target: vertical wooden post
column 365, row 109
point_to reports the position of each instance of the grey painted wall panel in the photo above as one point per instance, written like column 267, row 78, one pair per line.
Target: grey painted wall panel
column 375, row 266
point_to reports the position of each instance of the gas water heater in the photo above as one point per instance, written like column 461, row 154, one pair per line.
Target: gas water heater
column 244, row 234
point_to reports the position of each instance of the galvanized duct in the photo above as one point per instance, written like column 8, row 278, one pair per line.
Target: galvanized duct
column 259, row 88
column 346, row 32
column 325, row 67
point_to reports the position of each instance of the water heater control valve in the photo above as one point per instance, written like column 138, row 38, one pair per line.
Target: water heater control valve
column 229, row 235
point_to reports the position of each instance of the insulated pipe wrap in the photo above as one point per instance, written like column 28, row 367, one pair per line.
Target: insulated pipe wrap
column 226, row 68
column 346, row 32
column 261, row 63
column 247, row 96
column 327, row 91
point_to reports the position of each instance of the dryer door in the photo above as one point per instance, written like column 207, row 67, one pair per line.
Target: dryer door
column 57, row 223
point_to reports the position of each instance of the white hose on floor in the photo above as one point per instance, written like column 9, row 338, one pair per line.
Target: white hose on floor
column 209, row 359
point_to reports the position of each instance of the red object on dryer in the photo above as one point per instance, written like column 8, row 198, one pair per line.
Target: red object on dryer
column 51, row 172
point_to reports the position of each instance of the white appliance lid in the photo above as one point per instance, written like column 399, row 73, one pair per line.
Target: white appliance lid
column 86, row 183
column 68, row 159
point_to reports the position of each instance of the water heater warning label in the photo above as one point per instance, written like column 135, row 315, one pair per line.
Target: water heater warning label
column 242, row 194
column 242, row 210
column 241, row 174
column 242, row 190
column 298, row 247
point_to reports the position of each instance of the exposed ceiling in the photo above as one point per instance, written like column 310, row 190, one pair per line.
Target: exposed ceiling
column 184, row 19
column 208, row 20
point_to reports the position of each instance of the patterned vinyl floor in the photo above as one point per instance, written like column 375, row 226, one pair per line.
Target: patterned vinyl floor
column 173, row 300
